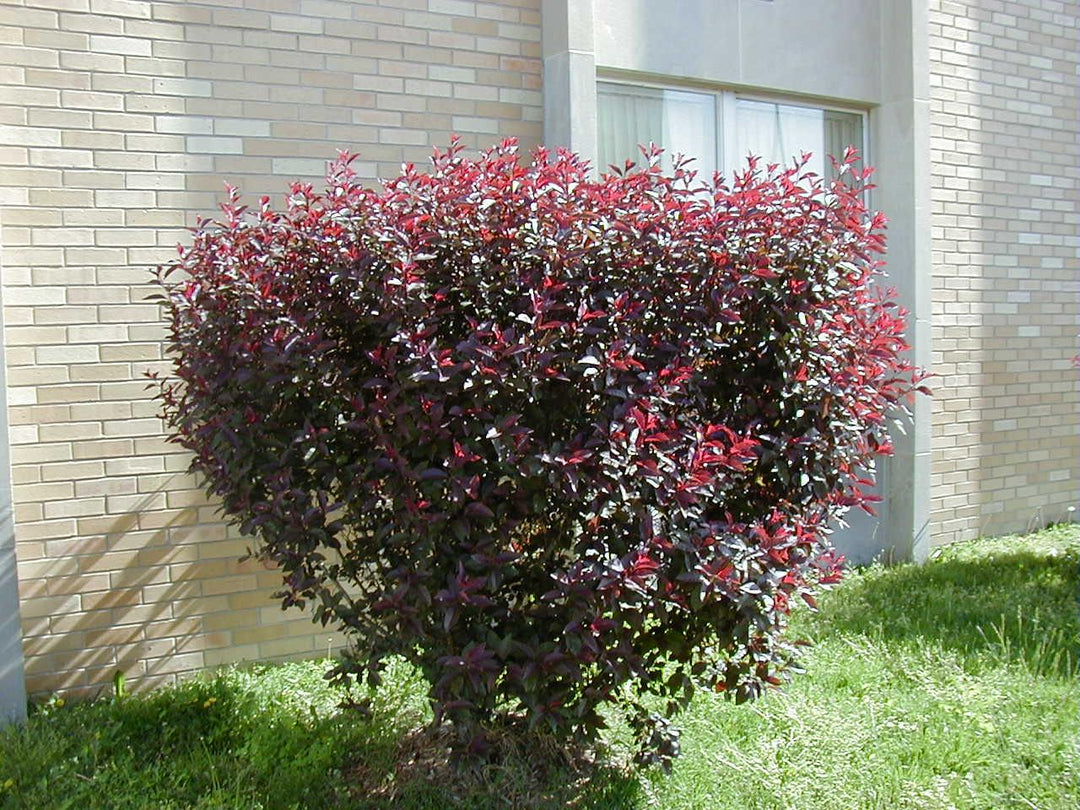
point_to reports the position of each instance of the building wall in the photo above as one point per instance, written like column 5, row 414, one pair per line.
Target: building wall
column 1005, row 161
column 120, row 121
column 749, row 43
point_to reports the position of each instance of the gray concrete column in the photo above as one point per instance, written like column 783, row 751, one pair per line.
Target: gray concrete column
column 901, row 152
column 569, row 76
column 12, row 677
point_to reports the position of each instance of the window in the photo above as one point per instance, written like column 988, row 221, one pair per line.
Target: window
column 719, row 129
column 681, row 121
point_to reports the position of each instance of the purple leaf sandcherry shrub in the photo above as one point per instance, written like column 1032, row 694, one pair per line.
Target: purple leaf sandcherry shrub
column 560, row 442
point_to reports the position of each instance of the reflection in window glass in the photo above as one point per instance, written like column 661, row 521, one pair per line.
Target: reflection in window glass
column 679, row 121
column 685, row 122
column 778, row 133
column 841, row 131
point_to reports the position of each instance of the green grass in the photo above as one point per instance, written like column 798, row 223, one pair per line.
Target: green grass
column 948, row 685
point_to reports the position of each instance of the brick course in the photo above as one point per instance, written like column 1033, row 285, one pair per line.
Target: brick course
column 1005, row 163
column 120, row 122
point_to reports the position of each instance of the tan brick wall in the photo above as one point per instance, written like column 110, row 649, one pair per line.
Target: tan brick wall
column 119, row 123
column 1005, row 164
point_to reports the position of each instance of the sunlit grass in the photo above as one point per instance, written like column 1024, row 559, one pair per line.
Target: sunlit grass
column 952, row 684
column 948, row 685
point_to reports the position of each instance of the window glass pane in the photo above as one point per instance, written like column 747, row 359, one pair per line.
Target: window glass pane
column 780, row 132
column 684, row 122
column 841, row 131
column 679, row 121
column 777, row 133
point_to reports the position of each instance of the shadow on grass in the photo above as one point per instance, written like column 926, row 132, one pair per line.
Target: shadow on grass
column 259, row 740
column 1018, row 605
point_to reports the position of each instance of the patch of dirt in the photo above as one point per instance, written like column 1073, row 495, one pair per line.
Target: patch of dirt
column 530, row 772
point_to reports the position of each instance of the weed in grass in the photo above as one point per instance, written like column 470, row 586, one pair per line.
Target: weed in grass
column 1041, row 648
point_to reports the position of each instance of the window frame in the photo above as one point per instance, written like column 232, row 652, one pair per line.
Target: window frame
column 727, row 155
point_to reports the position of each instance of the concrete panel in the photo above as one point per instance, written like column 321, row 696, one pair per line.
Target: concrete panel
column 901, row 138
column 569, row 76
column 12, row 683
column 570, row 103
column 567, row 25
column 861, row 540
column 822, row 49
column 694, row 39
column 786, row 46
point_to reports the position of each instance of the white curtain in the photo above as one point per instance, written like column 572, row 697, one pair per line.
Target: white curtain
column 684, row 122
column 678, row 121
column 841, row 131
column 779, row 133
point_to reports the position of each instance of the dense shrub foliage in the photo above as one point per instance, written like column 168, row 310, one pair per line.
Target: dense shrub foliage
column 545, row 436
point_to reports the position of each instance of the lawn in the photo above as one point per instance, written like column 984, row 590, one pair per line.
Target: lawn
column 948, row 685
